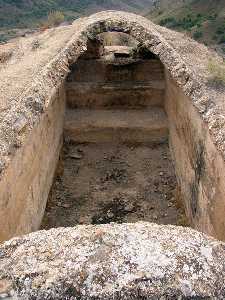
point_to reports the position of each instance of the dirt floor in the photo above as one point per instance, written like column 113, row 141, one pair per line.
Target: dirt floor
column 106, row 183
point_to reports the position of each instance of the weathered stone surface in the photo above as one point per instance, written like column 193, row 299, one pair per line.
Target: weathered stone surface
column 129, row 261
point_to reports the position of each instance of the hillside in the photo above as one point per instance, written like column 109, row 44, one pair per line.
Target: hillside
column 203, row 20
column 29, row 13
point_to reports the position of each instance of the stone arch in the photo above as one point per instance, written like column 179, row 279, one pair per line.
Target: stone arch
column 190, row 84
column 36, row 100
column 144, row 32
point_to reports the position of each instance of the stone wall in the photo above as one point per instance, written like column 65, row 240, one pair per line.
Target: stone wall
column 199, row 166
column 27, row 180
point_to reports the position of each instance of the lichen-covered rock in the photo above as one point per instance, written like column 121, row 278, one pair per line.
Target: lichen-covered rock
column 128, row 261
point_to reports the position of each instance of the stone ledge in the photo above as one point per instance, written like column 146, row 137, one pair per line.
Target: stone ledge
column 102, row 125
column 111, row 86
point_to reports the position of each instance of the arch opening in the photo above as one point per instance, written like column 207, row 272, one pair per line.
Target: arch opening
column 115, row 164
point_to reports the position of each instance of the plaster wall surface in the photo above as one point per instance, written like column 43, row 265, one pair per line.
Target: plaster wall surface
column 199, row 166
column 27, row 181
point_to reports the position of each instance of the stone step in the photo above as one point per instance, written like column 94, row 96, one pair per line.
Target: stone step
column 119, row 126
column 102, row 70
column 114, row 94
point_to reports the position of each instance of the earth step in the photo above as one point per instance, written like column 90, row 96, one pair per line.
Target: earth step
column 115, row 94
column 131, row 126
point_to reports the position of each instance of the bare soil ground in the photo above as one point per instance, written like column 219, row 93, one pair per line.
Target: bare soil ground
column 103, row 183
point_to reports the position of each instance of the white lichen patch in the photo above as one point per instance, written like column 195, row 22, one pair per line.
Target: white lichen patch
column 128, row 261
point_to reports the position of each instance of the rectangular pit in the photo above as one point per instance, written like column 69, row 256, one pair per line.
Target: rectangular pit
column 115, row 164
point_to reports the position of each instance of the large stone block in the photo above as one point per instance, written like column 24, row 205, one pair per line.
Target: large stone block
column 127, row 261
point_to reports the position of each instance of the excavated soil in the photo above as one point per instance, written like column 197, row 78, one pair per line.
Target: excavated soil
column 103, row 183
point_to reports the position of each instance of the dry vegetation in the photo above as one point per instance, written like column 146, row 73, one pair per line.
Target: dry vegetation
column 4, row 56
column 55, row 18
column 217, row 71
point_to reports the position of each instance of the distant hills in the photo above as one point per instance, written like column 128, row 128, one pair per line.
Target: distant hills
column 22, row 13
column 17, row 14
column 204, row 20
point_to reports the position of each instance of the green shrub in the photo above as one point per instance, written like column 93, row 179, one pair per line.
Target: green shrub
column 3, row 38
column 222, row 39
column 197, row 35
column 168, row 22
column 212, row 17
column 220, row 30
column 217, row 71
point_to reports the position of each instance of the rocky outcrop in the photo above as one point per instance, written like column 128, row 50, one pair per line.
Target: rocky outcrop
column 129, row 261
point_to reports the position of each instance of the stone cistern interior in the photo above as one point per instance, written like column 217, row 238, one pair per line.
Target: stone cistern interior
column 115, row 164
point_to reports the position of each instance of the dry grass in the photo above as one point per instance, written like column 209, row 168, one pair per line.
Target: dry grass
column 217, row 71
column 55, row 18
column 5, row 56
